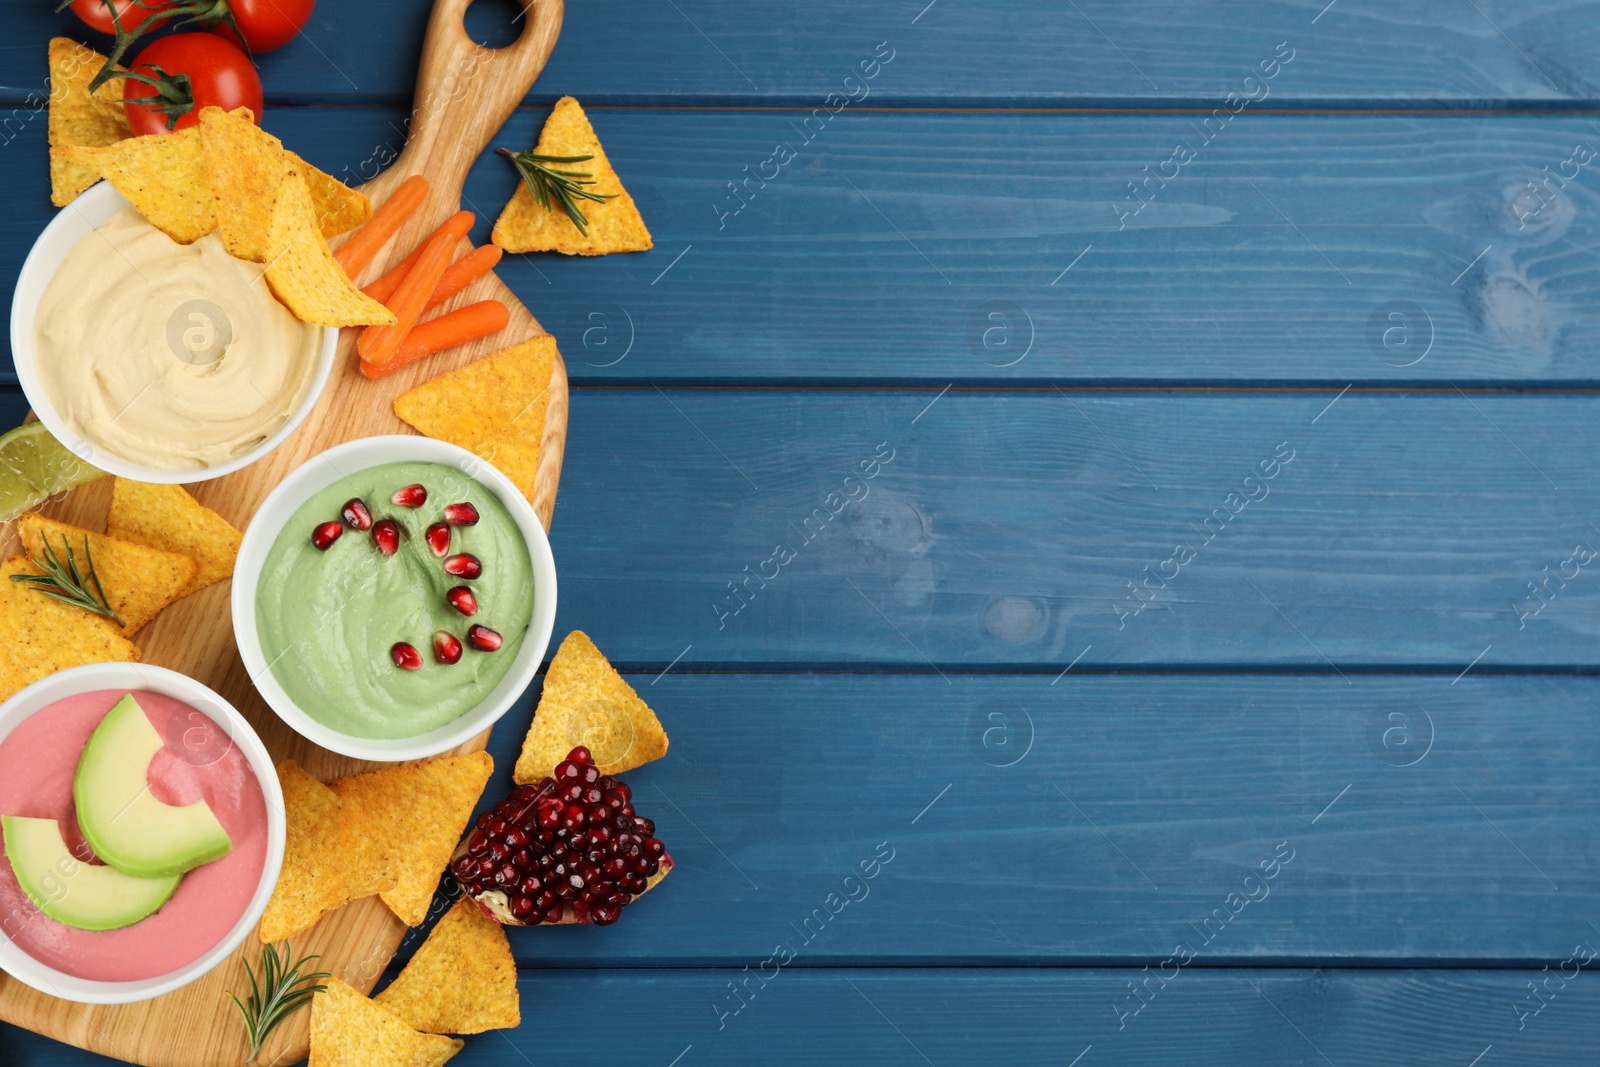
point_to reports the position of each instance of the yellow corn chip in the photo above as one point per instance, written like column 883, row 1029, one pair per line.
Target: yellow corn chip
column 614, row 225
column 42, row 636
column 313, row 881
column 78, row 118
column 138, row 581
column 247, row 166
column 494, row 407
column 586, row 702
column 461, row 981
column 415, row 813
column 163, row 175
column 168, row 518
column 302, row 271
column 348, row 1030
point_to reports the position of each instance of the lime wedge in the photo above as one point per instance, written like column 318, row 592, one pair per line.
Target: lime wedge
column 34, row 467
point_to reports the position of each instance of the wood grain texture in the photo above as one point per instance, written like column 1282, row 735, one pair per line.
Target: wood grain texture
column 1030, row 53
column 464, row 93
column 1276, row 257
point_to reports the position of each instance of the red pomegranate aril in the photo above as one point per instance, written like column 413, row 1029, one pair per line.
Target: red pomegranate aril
column 590, row 775
column 438, row 536
column 484, row 639
column 326, row 533
column 386, row 535
column 356, row 514
column 464, row 565
column 506, row 875
column 462, row 514
column 646, row 827
column 515, row 838
column 463, row 600
column 478, row 843
column 446, row 647
column 580, row 755
column 486, row 866
column 412, row 496
column 605, row 915
column 405, row 656
column 522, row 906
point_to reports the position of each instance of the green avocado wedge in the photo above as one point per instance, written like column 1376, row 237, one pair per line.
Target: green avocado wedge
column 128, row 828
column 71, row 891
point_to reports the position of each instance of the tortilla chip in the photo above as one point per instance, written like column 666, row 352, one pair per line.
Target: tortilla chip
column 614, row 225
column 461, row 981
column 168, row 518
column 313, row 881
column 78, row 119
column 247, row 167
column 494, row 407
column 163, row 175
column 415, row 813
column 348, row 1030
column 586, row 702
column 41, row 636
column 138, row 581
column 302, row 271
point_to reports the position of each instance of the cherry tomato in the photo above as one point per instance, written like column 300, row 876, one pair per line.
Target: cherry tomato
column 265, row 24
column 97, row 15
column 219, row 73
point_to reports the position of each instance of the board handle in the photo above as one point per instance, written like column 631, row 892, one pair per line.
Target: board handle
column 465, row 92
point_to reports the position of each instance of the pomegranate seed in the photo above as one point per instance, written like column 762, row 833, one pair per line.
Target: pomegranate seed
column 463, row 600
column 325, row 535
column 463, row 565
column 405, row 657
column 580, row 755
column 484, row 639
column 438, row 536
column 446, row 649
column 461, row 514
column 357, row 514
column 386, row 535
column 412, row 496
column 522, row 907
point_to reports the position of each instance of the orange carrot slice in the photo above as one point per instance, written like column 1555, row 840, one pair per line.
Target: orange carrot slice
column 379, row 343
column 365, row 242
column 382, row 289
column 463, row 272
column 446, row 331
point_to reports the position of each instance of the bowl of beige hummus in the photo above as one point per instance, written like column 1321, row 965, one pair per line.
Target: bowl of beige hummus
column 155, row 360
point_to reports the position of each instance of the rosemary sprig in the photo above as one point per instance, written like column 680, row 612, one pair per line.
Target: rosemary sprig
column 565, row 187
column 281, row 992
column 66, row 583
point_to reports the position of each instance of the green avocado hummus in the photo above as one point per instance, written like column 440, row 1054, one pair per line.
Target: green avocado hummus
column 328, row 619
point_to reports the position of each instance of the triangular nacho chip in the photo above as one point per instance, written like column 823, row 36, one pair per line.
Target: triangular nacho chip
column 461, row 981
column 348, row 1030
column 138, row 581
column 614, row 225
column 313, row 880
column 416, row 812
column 168, row 518
column 302, row 271
column 79, row 119
column 39, row 636
column 163, row 175
column 586, row 702
column 494, row 408
column 247, row 166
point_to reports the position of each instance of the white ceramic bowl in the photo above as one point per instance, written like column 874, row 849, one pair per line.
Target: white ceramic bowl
column 71, row 223
column 324, row 470
column 137, row 677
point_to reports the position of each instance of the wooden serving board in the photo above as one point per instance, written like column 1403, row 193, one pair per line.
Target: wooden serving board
column 464, row 94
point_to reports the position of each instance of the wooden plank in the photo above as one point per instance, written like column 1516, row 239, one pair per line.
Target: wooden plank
column 1406, row 53
column 1292, row 251
column 1412, row 529
column 912, row 1018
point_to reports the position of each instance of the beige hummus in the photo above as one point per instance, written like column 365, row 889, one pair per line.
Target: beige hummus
column 168, row 355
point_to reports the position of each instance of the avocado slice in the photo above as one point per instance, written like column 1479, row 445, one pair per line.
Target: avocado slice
column 127, row 827
column 71, row 891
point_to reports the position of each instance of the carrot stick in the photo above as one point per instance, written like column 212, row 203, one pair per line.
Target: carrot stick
column 446, row 331
column 379, row 343
column 463, row 272
column 365, row 242
column 382, row 289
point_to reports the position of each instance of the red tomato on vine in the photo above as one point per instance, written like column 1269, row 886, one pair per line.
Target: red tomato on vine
column 174, row 77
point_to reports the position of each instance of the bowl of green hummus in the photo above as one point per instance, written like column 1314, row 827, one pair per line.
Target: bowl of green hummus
column 394, row 596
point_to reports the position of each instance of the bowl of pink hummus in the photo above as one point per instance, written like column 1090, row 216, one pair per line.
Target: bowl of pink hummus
column 112, row 899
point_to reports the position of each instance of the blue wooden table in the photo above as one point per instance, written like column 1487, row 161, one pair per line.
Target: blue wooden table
column 1206, row 671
